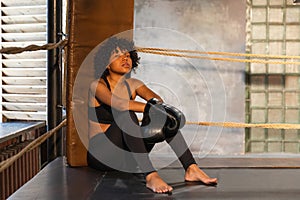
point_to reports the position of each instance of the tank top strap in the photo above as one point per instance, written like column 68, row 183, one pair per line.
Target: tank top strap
column 126, row 83
column 107, row 83
column 128, row 90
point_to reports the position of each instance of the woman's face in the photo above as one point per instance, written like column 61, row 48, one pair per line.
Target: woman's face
column 120, row 62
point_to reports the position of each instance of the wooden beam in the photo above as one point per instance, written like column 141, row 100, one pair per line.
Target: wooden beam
column 24, row 28
column 19, row 37
column 24, row 80
column 23, row 2
column 24, row 19
column 13, row 106
column 24, row 10
column 41, row 54
column 24, row 72
column 24, row 89
column 30, row 98
column 25, row 115
column 24, row 63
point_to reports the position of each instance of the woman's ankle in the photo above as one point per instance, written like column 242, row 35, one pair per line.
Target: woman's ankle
column 149, row 175
column 191, row 167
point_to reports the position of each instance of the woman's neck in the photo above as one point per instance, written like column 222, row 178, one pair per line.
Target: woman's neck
column 116, row 79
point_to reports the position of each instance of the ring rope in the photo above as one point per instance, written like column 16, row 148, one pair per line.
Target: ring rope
column 245, row 125
column 35, row 143
column 33, row 47
column 219, row 53
column 161, row 51
column 220, row 59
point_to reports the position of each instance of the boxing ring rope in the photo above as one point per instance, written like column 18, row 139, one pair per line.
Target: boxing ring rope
column 49, row 46
column 150, row 49
column 245, row 125
column 165, row 52
column 35, row 143
column 14, row 50
column 170, row 52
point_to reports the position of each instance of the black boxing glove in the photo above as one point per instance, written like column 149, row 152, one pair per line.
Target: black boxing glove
column 175, row 120
column 153, row 122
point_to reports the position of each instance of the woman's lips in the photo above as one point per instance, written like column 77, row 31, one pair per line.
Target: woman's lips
column 126, row 65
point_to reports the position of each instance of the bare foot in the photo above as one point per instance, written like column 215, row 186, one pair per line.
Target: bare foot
column 194, row 173
column 156, row 184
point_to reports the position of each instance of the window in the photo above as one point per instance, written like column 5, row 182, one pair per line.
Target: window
column 273, row 90
column 23, row 75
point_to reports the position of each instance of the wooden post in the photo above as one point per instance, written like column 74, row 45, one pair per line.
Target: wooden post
column 90, row 23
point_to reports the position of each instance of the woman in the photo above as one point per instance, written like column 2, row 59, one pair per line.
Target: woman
column 112, row 119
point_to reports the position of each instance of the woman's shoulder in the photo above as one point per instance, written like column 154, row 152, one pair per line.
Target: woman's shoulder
column 95, row 83
column 135, row 82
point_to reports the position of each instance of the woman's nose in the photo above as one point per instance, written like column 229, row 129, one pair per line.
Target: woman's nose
column 124, row 57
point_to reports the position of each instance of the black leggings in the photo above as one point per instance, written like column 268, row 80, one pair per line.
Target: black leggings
column 116, row 149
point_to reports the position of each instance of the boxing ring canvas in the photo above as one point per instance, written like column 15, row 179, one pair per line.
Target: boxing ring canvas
column 59, row 182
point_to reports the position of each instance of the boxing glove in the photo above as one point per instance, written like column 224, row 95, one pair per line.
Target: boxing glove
column 175, row 120
column 153, row 122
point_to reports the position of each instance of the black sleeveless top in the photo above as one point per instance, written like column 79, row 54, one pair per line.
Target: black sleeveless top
column 103, row 113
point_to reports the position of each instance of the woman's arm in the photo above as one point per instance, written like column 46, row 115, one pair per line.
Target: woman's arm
column 107, row 97
column 144, row 92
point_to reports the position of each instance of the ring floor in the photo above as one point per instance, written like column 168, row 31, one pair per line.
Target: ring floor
column 58, row 181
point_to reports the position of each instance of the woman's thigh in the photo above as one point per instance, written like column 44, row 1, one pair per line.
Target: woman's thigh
column 109, row 151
